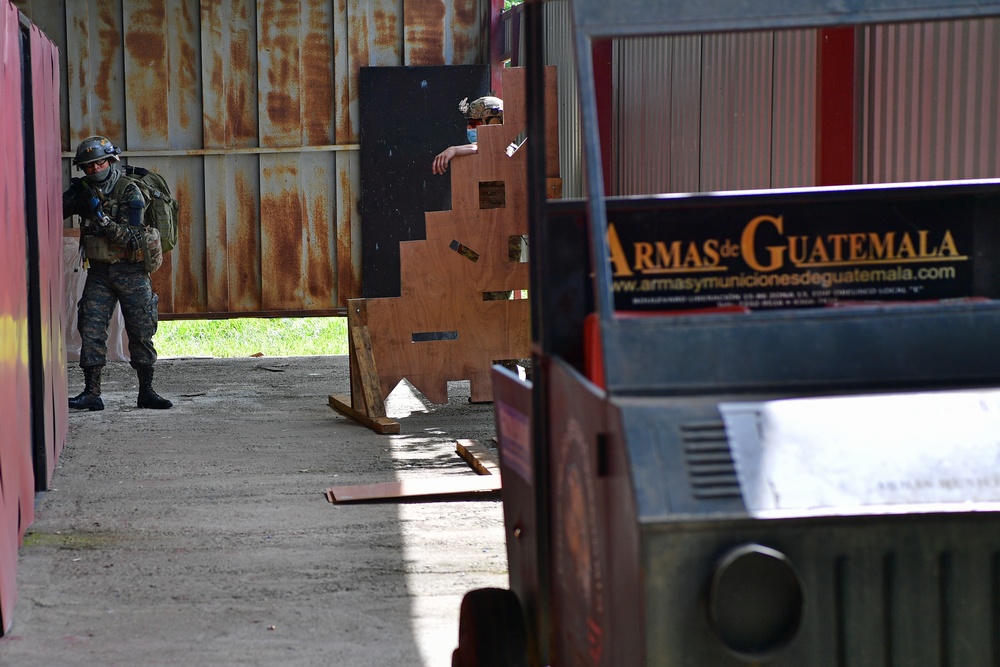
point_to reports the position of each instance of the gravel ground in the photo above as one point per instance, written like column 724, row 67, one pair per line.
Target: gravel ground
column 201, row 535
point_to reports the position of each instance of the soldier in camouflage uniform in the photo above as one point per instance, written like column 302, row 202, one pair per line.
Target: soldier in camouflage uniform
column 111, row 238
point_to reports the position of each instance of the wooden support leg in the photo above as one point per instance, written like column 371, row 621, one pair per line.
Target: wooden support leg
column 365, row 403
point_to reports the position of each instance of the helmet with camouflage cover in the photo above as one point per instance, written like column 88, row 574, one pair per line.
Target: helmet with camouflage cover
column 93, row 149
column 482, row 108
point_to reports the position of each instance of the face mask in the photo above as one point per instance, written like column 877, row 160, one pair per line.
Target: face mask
column 471, row 134
column 99, row 177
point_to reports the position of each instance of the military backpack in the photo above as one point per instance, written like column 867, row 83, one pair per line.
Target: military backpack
column 161, row 213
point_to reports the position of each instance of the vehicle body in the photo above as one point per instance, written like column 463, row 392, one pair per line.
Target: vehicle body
column 782, row 447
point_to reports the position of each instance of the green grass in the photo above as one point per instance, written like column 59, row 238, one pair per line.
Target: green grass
column 278, row 337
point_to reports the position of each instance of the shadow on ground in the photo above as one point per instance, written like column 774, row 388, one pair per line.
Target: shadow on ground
column 201, row 535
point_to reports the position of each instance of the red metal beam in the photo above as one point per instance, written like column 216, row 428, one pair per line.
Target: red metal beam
column 603, row 89
column 835, row 107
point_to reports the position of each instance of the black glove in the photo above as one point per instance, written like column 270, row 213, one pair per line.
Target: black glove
column 74, row 197
column 77, row 188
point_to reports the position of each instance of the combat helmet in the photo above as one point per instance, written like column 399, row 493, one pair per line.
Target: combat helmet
column 95, row 148
column 482, row 108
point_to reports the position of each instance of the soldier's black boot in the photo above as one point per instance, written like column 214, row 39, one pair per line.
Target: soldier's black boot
column 147, row 397
column 90, row 397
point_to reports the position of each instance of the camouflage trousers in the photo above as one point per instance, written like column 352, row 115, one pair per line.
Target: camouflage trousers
column 109, row 284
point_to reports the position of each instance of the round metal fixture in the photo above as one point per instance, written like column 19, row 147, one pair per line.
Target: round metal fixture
column 755, row 601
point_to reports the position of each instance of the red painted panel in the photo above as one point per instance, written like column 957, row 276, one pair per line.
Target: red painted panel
column 16, row 476
column 835, row 134
column 48, row 187
column 604, row 92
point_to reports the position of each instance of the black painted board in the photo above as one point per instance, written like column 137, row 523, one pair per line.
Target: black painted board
column 408, row 115
column 803, row 248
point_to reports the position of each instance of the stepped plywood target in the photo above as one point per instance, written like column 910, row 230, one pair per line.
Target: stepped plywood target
column 452, row 320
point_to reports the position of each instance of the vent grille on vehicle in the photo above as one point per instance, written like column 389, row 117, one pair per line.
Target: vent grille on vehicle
column 916, row 607
column 709, row 462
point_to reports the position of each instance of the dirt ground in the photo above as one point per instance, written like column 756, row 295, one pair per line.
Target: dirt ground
column 201, row 535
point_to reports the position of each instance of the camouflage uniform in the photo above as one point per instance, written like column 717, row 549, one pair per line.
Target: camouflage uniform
column 112, row 236
column 119, row 281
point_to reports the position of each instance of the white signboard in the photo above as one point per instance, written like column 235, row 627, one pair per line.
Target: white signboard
column 850, row 452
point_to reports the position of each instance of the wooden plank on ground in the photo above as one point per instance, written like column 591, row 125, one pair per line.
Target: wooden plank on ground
column 463, row 485
column 381, row 425
column 481, row 458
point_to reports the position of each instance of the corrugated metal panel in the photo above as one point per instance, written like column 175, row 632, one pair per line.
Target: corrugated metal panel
column 162, row 74
column 793, row 147
column 714, row 112
column 931, row 95
column 559, row 53
column 296, row 214
column 228, row 56
column 51, row 399
column 232, row 181
column 53, row 25
column 163, row 105
column 706, row 120
column 437, row 32
column 657, row 115
column 232, row 222
column 685, row 116
column 348, row 169
column 250, row 109
column 717, row 112
column 374, row 39
column 736, row 111
column 95, row 67
column 295, row 83
column 558, row 25
column 931, row 107
column 17, row 487
column 182, row 282
column 642, row 140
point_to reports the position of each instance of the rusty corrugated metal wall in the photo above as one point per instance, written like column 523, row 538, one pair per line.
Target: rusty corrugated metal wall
column 250, row 109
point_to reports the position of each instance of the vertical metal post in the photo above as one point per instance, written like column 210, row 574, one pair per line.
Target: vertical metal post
column 593, row 174
column 540, row 336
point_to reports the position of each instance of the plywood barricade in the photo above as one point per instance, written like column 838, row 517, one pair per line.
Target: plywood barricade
column 452, row 321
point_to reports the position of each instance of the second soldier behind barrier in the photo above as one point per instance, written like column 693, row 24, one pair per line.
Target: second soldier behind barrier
column 481, row 111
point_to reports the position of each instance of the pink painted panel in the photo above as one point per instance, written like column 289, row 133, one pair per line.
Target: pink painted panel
column 16, row 476
column 48, row 192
